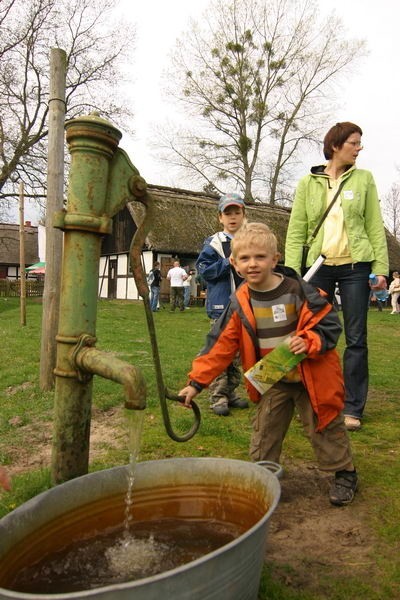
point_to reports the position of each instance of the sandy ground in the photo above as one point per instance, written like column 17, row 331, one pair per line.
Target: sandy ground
column 314, row 538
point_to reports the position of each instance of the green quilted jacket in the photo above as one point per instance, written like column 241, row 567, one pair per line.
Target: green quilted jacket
column 362, row 217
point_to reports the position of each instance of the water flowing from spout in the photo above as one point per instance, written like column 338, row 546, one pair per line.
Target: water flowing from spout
column 134, row 419
column 132, row 556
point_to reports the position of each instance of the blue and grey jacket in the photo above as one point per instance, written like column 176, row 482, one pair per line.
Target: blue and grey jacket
column 215, row 269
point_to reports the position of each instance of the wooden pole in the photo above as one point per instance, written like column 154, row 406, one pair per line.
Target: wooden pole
column 22, row 279
column 54, row 237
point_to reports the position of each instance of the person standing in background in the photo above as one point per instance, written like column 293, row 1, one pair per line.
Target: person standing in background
column 354, row 242
column 176, row 276
column 187, row 288
column 394, row 291
column 213, row 266
column 155, row 282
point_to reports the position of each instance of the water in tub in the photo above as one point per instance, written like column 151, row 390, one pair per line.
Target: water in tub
column 133, row 551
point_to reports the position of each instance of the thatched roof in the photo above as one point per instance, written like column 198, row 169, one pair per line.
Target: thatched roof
column 394, row 252
column 183, row 219
column 9, row 244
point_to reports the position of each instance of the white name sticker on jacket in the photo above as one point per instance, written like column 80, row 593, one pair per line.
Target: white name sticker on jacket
column 348, row 195
column 279, row 313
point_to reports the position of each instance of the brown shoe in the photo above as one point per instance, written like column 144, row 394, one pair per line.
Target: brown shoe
column 352, row 423
column 222, row 410
column 238, row 403
column 343, row 488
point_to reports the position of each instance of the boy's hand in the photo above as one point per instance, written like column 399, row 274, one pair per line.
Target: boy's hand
column 297, row 345
column 5, row 479
column 188, row 392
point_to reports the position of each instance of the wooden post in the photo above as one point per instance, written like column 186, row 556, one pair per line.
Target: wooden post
column 54, row 237
column 22, row 289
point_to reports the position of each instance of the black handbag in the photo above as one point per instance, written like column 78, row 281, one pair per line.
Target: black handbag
column 306, row 247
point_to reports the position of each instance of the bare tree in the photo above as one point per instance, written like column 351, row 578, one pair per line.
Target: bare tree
column 391, row 210
column 95, row 45
column 257, row 81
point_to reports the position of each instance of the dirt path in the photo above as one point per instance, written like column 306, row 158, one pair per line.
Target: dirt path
column 314, row 538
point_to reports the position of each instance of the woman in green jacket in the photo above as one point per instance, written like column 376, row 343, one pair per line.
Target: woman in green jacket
column 352, row 238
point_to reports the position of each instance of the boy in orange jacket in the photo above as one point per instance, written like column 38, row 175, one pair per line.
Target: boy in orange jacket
column 264, row 310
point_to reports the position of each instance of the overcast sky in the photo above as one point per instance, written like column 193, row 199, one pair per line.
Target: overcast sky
column 371, row 97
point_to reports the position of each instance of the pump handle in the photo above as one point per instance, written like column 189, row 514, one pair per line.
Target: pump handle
column 135, row 253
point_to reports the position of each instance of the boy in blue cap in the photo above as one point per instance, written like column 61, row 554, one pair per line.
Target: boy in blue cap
column 213, row 265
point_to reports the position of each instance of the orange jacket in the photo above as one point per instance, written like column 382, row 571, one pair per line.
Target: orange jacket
column 320, row 372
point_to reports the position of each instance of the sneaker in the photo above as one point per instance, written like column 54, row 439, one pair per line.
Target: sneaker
column 238, row 403
column 352, row 423
column 221, row 410
column 343, row 488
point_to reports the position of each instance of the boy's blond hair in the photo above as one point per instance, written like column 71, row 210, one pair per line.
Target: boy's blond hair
column 254, row 233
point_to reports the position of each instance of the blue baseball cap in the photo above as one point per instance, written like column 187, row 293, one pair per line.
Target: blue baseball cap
column 230, row 200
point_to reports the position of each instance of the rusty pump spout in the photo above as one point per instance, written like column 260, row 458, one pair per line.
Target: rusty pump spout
column 91, row 361
column 98, row 188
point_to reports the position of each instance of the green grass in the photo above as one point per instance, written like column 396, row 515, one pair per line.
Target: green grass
column 26, row 416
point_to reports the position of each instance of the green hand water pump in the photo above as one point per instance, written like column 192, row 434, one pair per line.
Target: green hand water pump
column 102, row 180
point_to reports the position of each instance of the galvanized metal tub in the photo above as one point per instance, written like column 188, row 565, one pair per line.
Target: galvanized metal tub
column 233, row 490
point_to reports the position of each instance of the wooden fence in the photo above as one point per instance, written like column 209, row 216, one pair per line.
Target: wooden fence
column 12, row 288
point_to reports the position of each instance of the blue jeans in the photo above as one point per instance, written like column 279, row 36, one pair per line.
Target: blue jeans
column 154, row 295
column 352, row 281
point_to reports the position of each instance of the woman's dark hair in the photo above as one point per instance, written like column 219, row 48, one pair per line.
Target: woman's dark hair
column 337, row 135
